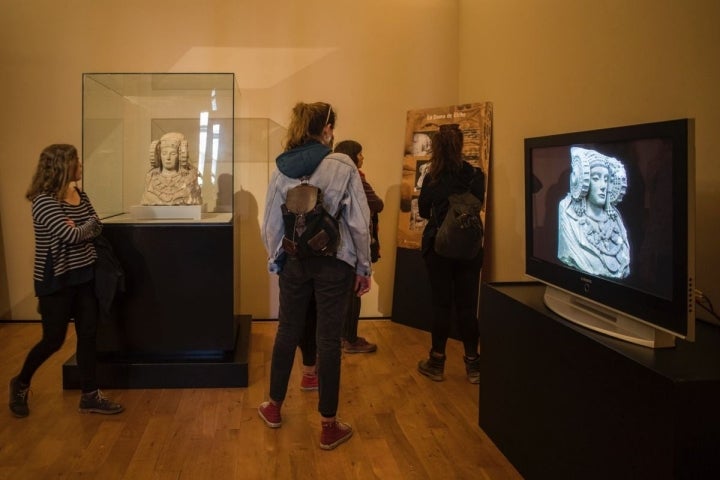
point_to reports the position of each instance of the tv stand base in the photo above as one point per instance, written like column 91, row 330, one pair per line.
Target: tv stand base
column 562, row 401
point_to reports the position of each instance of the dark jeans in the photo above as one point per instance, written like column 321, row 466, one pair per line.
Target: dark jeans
column 308, row 341
column 454, row 285
column 350, row 327
column 308, row 345
column 327, row 279
column 79, row 303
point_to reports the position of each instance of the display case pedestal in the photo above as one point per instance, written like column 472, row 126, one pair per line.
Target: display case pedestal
column 142, row 371
column 174, row 326
column 412, row 295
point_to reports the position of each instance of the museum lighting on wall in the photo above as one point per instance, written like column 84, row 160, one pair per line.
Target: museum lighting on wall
column 215, row 149
column 202, row 144
column 202, row 148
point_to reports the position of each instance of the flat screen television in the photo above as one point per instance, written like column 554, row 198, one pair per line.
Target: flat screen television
column 609, row 225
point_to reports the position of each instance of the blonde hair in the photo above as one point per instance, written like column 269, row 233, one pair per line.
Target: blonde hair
column 307, row 123
column 55, row 170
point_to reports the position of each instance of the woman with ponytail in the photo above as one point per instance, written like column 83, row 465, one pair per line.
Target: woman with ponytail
column 325, row 279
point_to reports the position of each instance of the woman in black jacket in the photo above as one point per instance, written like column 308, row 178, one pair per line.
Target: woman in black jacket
column 454, row 282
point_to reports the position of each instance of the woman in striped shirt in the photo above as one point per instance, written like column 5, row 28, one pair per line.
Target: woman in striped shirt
column 65, row 224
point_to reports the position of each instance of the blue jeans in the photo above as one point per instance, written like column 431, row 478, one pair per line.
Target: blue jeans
column 328, row 280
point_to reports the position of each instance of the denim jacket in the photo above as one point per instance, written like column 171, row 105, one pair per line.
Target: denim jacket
column 339, row 179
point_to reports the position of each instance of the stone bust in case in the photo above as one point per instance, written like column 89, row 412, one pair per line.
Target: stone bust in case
column 172, row 180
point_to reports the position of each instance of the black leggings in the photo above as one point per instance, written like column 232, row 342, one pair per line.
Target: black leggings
column 454, row 285
column 79, row 303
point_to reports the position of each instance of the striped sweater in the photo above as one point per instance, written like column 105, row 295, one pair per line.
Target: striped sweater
column 64, row 254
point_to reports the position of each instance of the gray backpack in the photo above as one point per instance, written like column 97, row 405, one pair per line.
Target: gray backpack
column 460, row 235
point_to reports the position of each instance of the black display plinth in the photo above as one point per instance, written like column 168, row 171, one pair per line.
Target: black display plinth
column 412, row 305
column 174, row 326
column 412, row 295
column 179, row 289
column 123, row 370
column 563, row 402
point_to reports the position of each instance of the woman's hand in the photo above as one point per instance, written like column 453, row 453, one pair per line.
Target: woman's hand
column 362, row 285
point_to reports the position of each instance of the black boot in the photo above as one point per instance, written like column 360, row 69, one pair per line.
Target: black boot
column 433, row 367
column 472, row 368
column 18, row 398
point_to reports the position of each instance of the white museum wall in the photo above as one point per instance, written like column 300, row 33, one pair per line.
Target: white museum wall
column 562, row 65
column 372, row 60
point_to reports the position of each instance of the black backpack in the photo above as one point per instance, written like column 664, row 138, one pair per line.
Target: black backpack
column 460, row 235
column 310, row 231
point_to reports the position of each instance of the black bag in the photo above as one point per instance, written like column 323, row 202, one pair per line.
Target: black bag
column 460, row 235
column 374, row 238
column 309, row 229
column 109, row 277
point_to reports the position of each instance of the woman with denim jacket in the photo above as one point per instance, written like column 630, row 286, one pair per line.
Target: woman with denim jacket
column 308, row 157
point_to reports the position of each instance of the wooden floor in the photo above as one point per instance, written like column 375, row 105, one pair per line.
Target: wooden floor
column 406, row 426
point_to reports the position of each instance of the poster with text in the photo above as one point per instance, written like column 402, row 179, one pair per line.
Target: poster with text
column 475, row 121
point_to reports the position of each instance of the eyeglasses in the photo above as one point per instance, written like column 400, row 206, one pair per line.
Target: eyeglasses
column 327, row 120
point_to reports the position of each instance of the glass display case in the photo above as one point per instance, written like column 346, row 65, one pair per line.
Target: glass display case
column 124, row 114
column 175, row 323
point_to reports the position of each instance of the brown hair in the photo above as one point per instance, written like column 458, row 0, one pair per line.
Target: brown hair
column 307, row 123
column 55, row 170
column 446, row 155
column 351, row 148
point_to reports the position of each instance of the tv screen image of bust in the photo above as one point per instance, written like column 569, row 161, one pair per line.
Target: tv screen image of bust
column 610, row 225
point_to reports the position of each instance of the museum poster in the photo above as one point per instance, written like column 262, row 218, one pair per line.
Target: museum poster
column 475, row 121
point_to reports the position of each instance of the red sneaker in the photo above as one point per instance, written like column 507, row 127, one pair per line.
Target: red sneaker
column 334, row 433
column 270, row 413
column 309, row 382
